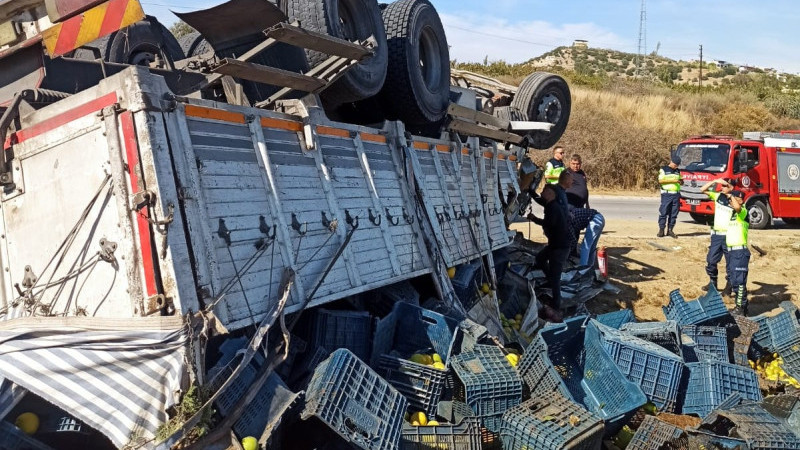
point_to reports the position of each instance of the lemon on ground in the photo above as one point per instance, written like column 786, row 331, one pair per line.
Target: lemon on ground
column 518, row 317
column 433, row 423
column 420, row 418
column 512, row 359
column 485, row 288
column 439, row 365
column 421, row 359
column 28, row 422
column 437, row 358
column 250, row 443
column 451, row 272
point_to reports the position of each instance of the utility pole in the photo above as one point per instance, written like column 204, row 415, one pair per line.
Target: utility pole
column 641, row 54
column 701, row 65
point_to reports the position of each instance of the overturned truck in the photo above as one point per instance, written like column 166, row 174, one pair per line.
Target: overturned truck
column 160, row 194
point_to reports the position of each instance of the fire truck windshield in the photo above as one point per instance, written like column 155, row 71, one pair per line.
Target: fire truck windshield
column 704, row 157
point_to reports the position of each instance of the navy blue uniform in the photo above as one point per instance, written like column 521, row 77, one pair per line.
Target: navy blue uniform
column 670, row 197
column 553, row 257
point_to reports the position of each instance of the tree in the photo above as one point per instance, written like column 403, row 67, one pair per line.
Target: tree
column 180, row 28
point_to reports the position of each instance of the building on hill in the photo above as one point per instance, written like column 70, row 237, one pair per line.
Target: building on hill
column 580, row 43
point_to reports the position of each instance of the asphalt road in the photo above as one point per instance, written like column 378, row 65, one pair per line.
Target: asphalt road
column 631, row 208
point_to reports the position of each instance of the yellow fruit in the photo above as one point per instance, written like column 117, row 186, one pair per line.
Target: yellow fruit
column 433, row 423
column 437, row 358
column 28, row 422
column 420, row 418
column 414, row 423
column 485, row 288
column 451, row 272
column 440, row 366
column 518, row 317
column 512, row 359
column 419, row 358
column 250, row 443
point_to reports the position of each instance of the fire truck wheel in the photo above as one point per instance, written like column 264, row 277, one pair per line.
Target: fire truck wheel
column 702, row 219
column 417, row 87
column 350, row 20
column 760, row 217
column 143, row 43
column 544, row 97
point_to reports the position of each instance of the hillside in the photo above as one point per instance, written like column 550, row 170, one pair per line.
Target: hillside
column 624, row 127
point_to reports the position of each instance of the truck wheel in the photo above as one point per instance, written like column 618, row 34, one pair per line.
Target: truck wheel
column 144, row 42
column 759, row 215
column 193, row 44
column 544, row 97
column 702, row 219
column 351, row 20
column 417, row 87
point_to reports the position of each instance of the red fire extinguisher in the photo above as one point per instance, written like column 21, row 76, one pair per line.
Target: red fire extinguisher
column 602, row 262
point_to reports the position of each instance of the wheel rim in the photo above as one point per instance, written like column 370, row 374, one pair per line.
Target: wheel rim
column 755, row 215
column 430, row 63
column 550, row 109
column 143, row 57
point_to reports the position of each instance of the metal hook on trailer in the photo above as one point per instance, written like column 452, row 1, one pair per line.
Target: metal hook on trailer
column 376, row 220
column 301, row 229
column 409, row 218
column 352, row 221
column 392, row 220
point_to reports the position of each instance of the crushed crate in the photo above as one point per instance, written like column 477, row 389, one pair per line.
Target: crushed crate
column 712, row 341
column 238, row 387
column 334, row 329
column 654, row 433
column 550, row 422
column 708, row 307
column 466, row 283
column 271, row 402
column 304, row 368
column 355, row 402
column 407, row 330
column 742, row 336
column 752, row 423
column 616, row 319
column 655, row 370
column 665, row 334
column 569, row 357
column 785, row 407
column 710, row 383
column 703, row 440
column 15, row 439
column 461, row 432
column 486, row 381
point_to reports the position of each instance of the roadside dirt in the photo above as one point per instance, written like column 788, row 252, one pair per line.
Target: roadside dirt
column 646, row 273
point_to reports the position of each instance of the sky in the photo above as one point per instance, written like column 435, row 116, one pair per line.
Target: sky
column 762, row 34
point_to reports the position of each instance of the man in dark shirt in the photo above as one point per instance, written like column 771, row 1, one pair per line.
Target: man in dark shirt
column 555, row 225
column 582, row 216
column 578, row 193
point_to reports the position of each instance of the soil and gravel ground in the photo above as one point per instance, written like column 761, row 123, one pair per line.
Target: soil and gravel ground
column 646, row 273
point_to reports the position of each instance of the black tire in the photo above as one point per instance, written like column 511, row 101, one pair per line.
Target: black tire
column 508, row 113
column 417, row 87
column 87, row 53
column 544, row 97
column 351, row 20
column 702, row 219
column 140, row 43
column 759, row 215
column 193, row 44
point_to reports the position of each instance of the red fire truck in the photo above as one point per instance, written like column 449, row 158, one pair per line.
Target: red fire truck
column 765, row 165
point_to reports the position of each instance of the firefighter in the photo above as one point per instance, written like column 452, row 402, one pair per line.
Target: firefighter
column 555, row 166
column 738, row 254
column 669, row 177
column 722, row 217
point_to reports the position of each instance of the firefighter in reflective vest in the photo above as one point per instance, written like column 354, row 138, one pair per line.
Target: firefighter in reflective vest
column 738, row 254
column 670, row 179
column 555, row 166
column 722, row 217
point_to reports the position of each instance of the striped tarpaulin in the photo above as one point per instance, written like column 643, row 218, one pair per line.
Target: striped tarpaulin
column 10, row 394
column 116, row 375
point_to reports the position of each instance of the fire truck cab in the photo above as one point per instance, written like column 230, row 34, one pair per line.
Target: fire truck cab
column 766, row 167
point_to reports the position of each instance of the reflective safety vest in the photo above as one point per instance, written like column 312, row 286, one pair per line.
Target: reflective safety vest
column 553, row 168
column 722, row 212
column 737, row 229
column 673, row 176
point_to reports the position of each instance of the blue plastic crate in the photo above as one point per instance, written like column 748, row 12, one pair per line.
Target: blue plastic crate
column 616, row 319
column 762, row 336
column 571, row 356
column 752, row 423
column 702, row 440
column 654, row 433
column 12, row 438
column 783, row 327
column 422, row 386
column 742, row 336
column 790, row 353
column 657, row 371
column 271, row 402
column 711, row 340
column 460, row 432
column 355, row 402
column 665, row 334
column 335, row 329
column 550, row 421
column 487, row 383
column 710, row 383
column 409, row 329
column 706, row 308
column 466, row 282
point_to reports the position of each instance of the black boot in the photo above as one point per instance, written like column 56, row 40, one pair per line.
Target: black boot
column 671, row 234
column 713, row 282
column 660, row 232
column 726, row 291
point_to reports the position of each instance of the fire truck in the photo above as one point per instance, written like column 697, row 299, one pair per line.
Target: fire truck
column 765, row 165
